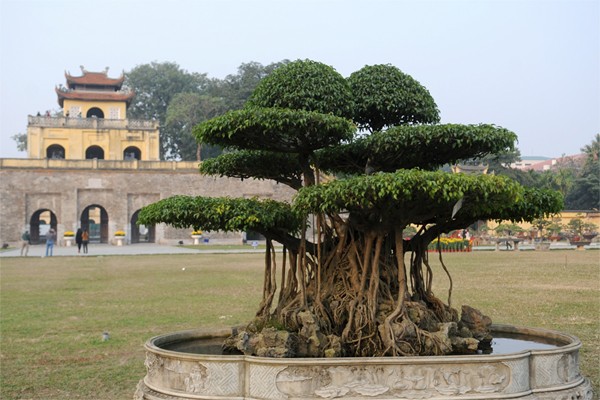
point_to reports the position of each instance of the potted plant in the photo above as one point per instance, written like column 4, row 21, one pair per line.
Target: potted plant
column 589, row 231
column 555, row 228
column 539, row 233
column 68, row 237
column 196, row 235
column 577, row 229
column 120, row 237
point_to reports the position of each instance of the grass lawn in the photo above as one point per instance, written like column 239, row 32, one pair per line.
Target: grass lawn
column 53, row 311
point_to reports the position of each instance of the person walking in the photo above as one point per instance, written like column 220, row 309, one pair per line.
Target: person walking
column 25, row 242
column 79, row 239
column 85, row 238
column 50, row 238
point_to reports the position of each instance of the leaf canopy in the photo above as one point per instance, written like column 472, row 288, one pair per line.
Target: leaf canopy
column 222, row 213
column 280, row 167
column 275, row 129
column 416, row 146
column 304, row 85
column 384, row 96
column 419, row 197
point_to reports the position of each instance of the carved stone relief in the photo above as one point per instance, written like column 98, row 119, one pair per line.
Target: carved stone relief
column 406, row 381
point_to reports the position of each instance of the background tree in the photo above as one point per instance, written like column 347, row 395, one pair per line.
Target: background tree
column 185, row 111
column 155, row 85
column 585, row 193
column 351, row 289
column 236, row 88
column 21, row 140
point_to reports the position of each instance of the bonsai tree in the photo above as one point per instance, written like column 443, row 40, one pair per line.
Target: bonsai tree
column 578, row 229
column 364, row 155
column 507, row 229
column 555, row 228
column 539, row 227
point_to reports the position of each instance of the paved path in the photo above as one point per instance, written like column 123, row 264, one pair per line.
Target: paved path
column 152, row 248
column 107, row 249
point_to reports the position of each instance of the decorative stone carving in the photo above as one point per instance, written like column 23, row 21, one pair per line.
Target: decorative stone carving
column 400, row 381
column 546, row 374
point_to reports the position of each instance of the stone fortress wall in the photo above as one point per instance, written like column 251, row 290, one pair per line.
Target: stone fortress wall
column 121, row 188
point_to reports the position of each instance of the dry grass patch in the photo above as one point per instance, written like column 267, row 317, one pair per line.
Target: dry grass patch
column 54, row 310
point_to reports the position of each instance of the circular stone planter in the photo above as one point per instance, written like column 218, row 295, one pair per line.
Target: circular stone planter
column 535, row 373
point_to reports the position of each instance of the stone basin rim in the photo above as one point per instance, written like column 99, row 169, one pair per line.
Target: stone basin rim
column 563, row 341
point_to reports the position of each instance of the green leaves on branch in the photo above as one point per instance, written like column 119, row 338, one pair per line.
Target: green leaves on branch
column 275, row 129
column 384, row 96
column 280, row 167
column 421, row 197
column 222, row 213
column 418, row 146
column 305, row 85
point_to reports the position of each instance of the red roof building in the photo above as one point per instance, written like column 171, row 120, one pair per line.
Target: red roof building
column 93, row 86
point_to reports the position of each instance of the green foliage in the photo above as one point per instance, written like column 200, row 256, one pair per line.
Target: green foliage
column 419, row 146
column 304, row 85
column 21, row 141
column 235, row 89
column 155, row 85
column 192, row 98
column 244, row 164
column 423, row 197
column 508, row 229
column 578, row 226
column 585, row 192
column 184, row 112
column 222, row 213
column 275, row 129
column 384, row 96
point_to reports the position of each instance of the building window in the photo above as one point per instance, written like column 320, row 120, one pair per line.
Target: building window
column 74, row 112
column 114, row 113
column 94, row 152
column 95, row 112
column 55, row 152
column 132, row 153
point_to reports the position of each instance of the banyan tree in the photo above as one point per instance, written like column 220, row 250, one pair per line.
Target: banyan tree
column 365, row 155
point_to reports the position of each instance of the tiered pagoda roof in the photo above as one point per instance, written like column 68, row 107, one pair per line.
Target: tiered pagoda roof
column 93, row 86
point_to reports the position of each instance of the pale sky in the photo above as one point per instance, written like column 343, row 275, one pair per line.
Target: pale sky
column 531, row 66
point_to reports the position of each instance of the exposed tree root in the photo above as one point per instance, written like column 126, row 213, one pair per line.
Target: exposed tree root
column 354, row 299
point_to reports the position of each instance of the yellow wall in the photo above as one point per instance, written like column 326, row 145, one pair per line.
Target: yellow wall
column 105, row 106
column 76, row 139
column 566, row 216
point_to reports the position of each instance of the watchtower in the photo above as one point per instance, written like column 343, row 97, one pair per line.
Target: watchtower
column 93, row 123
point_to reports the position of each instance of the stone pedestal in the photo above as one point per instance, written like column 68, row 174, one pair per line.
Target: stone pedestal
column 543, row 374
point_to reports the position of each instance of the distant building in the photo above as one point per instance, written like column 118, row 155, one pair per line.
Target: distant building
column 93, row 124
column 546, row 163
column 92, row 167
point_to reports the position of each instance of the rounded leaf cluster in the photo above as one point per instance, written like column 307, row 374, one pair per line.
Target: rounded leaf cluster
column 221, row 213
column 275, row 129
column 417, row 146
column 244, row 164
column 384, row 96
column 416, row 196
column 304, row 85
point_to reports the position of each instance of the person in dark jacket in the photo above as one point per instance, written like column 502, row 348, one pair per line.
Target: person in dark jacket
column 79, row 239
